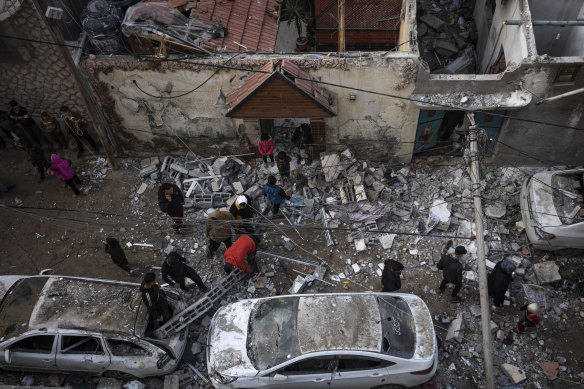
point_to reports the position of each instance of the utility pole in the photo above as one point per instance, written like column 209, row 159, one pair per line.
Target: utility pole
column 41, row 6
column 481, row 262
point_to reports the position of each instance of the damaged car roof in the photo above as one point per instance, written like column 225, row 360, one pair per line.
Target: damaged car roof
column 61, row 302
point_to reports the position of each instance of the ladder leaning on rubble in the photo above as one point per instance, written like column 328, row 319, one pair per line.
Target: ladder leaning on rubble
column 199, row 307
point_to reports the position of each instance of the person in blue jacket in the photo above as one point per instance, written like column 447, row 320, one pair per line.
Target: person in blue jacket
column 275, row 194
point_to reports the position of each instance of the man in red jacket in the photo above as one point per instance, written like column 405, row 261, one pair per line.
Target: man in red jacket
column 242, row 254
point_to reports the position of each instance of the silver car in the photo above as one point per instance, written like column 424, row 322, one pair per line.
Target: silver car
column 552, row 209
column 82, row 325
column 338, row 340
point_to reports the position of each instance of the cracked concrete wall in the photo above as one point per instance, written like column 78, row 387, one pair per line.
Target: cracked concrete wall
column 34, row 74
column 134, row 96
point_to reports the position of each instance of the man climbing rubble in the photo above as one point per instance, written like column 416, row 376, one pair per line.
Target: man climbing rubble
column 170, row 201
column 499, row 280
column 155, row 300
column 452, row 271
column 175, row 271
column 242, row 254
column 242, row 210
column 218, row 230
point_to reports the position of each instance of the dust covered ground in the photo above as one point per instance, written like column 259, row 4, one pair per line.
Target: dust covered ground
column 52, row 229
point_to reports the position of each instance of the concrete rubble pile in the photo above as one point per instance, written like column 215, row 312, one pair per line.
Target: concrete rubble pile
column 447, row 35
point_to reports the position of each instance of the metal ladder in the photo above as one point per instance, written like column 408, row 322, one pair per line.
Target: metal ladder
column 201, row 306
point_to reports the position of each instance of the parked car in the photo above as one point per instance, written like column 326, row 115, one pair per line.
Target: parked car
column 337, row 340
column 81, row 325
column 552, row 209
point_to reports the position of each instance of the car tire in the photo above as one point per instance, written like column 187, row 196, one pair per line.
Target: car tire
column 119, row 375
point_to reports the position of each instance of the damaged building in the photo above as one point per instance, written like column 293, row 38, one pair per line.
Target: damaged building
column 390, row 79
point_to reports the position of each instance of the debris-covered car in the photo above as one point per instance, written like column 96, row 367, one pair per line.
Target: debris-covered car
column 70, row 324
column 342, row 340
column 552, row 209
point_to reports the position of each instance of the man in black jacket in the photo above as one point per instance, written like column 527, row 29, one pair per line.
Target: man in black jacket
column 241, row 209
column 171, row 200
column 499, row 280
column 452, row 271
column 391, row 276
column 302, row 138
column 175, row 271
column 155, row 300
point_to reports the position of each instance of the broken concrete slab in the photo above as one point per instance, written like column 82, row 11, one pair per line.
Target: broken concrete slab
column 455, row 329
column 330, row 166
column 360, row 245
column 387, row 241
column 356, row 268
column 432, row 21
column 496, row 210
column 547, row 272
column 441, row 210
column 514, row 373
column 142, row 188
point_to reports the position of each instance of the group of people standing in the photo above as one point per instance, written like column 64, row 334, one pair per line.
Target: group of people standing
column 498, row 282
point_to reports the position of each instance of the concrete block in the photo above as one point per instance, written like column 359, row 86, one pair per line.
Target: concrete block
column 308, row 205
column 218, row 165
column 356, row 268
column 432, row 21
column 547, row 272
column 109, row 383
column 330, row 166
column 203, row 200
column 237, row 187
column 179, row 168
column 387, row 241
column 148, row 171
column 455, row 329
column 171, row 382
column 514, row 373
column 168, row 249
column 142, row 188
column 254, row 191
column 496, row 210
column 298, row 285
column 475, row 310
column 360, row 245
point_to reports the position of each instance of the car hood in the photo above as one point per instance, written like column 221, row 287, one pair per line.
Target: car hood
column 541, row 196
column 228, row 335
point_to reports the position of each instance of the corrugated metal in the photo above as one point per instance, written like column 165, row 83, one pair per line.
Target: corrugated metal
column 247, row 22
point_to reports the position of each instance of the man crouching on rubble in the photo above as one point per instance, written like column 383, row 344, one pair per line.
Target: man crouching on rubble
column 242, row 254
column 175, row 271
column 155, row 300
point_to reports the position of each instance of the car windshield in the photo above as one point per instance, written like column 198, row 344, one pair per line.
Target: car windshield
column 272, row 333
column 18, row 305
column 397, row 322
column 568, row 192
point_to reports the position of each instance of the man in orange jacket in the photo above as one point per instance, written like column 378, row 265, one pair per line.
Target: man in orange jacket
column 242, row 254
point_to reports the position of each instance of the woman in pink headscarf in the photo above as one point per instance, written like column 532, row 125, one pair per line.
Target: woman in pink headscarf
column 62, row 168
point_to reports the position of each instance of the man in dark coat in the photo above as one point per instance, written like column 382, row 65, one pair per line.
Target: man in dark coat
column 170, row 201
column 302, row 138
column 390, row 279
column 115, row 250
column 175, row 271
column 241, row 210
column 155, row 300
column 452, row 271
column 499, row 280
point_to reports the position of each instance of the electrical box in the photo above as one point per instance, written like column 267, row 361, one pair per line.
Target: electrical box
column 54, row 13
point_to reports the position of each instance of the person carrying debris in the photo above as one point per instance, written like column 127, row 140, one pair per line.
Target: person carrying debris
column 452, row 271
column 76, row 125
column 175, row 271
column 115, row 250
column 241, row 210
column 531, row 320
column 242, row 254
column 302, row 138
column 390, row 279
column 283, row 162
column 275, row 195
column 62, row 168
column 218, row 230
column 266, row 148
column 170, row 201
column 53, row 128
column 499, row 280
column 155, row 300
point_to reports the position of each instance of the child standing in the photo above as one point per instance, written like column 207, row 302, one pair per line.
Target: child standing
column 284, row 167
column 266, row 148
column 275, row 194
column 62, row 168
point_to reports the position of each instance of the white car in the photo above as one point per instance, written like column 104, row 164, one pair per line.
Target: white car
column 552, row 209
column 337, row 340
column 81, row 325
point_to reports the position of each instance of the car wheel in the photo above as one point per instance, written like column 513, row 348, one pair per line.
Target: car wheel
column 119, row 375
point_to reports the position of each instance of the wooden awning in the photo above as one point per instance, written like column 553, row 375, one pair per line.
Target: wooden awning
column 283, row 91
